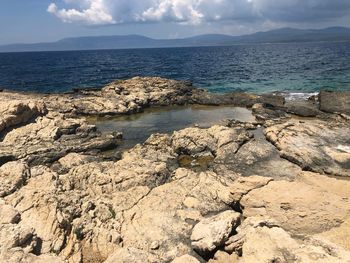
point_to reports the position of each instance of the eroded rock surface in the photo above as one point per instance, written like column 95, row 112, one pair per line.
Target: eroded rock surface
column 335, row 102
column 311, row 204
column 322, row 146
column 15, row 112
column 261, row 240
column 213, row 232
column 53, row 136
column 220, row 194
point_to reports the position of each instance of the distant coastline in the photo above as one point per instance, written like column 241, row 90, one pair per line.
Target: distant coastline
column 283, row 35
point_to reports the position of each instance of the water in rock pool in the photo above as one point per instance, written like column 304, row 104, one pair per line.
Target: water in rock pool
column 137, row 128
column 294, row 67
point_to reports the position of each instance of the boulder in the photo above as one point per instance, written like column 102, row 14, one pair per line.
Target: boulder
column 272, row 100
column 13, row 175
column 15, row 112
column 335, row 102
column 8, row 214
column 213, row 232
column 303, row 108
column 263, row 113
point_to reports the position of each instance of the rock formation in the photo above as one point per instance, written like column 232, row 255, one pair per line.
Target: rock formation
column 270, row 191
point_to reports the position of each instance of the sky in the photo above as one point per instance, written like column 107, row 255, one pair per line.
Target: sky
column 31, row 21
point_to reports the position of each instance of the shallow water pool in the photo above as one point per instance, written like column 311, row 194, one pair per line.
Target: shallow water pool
column 137, row 128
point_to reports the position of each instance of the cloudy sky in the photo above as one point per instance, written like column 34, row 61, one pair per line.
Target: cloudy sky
column 49, row 20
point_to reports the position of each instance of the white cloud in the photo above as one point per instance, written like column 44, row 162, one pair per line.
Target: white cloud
column 101, row 12
column 96, row 13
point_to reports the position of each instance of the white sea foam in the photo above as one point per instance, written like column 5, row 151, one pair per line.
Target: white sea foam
column 299, row 95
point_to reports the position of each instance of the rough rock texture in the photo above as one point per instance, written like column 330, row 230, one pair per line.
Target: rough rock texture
column 231, row 150
column 14, row 112
column 335, row 102
column 312, row 204
column 261, row 240
column 317, row 145
column 185, row 259
column 13, row 175
column 303, row 108
column 213, row 232
column 223, row 257
column 220, row 194
column 133, row 95
column 144, row 201
column 130, row 254
column 260, row 157
column 264, row 113
column 51, row 137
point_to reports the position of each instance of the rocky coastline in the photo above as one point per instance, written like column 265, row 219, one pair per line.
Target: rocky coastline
column 272, row 190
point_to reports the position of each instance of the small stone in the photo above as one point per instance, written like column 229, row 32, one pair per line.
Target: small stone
column 154, row 245
column 214, row 231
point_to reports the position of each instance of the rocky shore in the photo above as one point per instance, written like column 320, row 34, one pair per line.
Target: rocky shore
column 273, row 190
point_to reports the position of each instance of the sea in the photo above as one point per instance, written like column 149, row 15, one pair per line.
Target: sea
column 293, row 68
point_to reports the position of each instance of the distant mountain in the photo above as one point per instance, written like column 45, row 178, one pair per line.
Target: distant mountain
column 283, row 35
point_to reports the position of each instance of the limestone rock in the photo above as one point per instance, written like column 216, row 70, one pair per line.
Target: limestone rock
column 213, row 232
column 19, row 256
column 304, row 108
column 266, row 243
column 335, row 102
column 13, row 175
column 130, row 254
column 263, row 113
column 61, row 201
column 185, row 259
column 338, row 235
column 310, row 205
column 168, row 212
column 223, row 257
column 131, row 96
column 317, row 145
column 51, row 137
column 19, row 244
column 244, row 185
column 8, row 214
column 258, row 156
column 14, row 112
column 72, row 160
column 272, row 100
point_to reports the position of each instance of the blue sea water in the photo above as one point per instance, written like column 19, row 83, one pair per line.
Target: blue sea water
column 297, row 67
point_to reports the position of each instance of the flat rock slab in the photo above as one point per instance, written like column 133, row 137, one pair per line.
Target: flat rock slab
column 312, row 204
column 304, row 108
column 317, row 145
column 335, row 102
column 258, row 156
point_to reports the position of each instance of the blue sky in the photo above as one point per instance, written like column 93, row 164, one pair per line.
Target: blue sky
column 49, row 20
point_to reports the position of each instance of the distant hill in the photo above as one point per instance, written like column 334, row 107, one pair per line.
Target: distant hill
column 283, row 35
